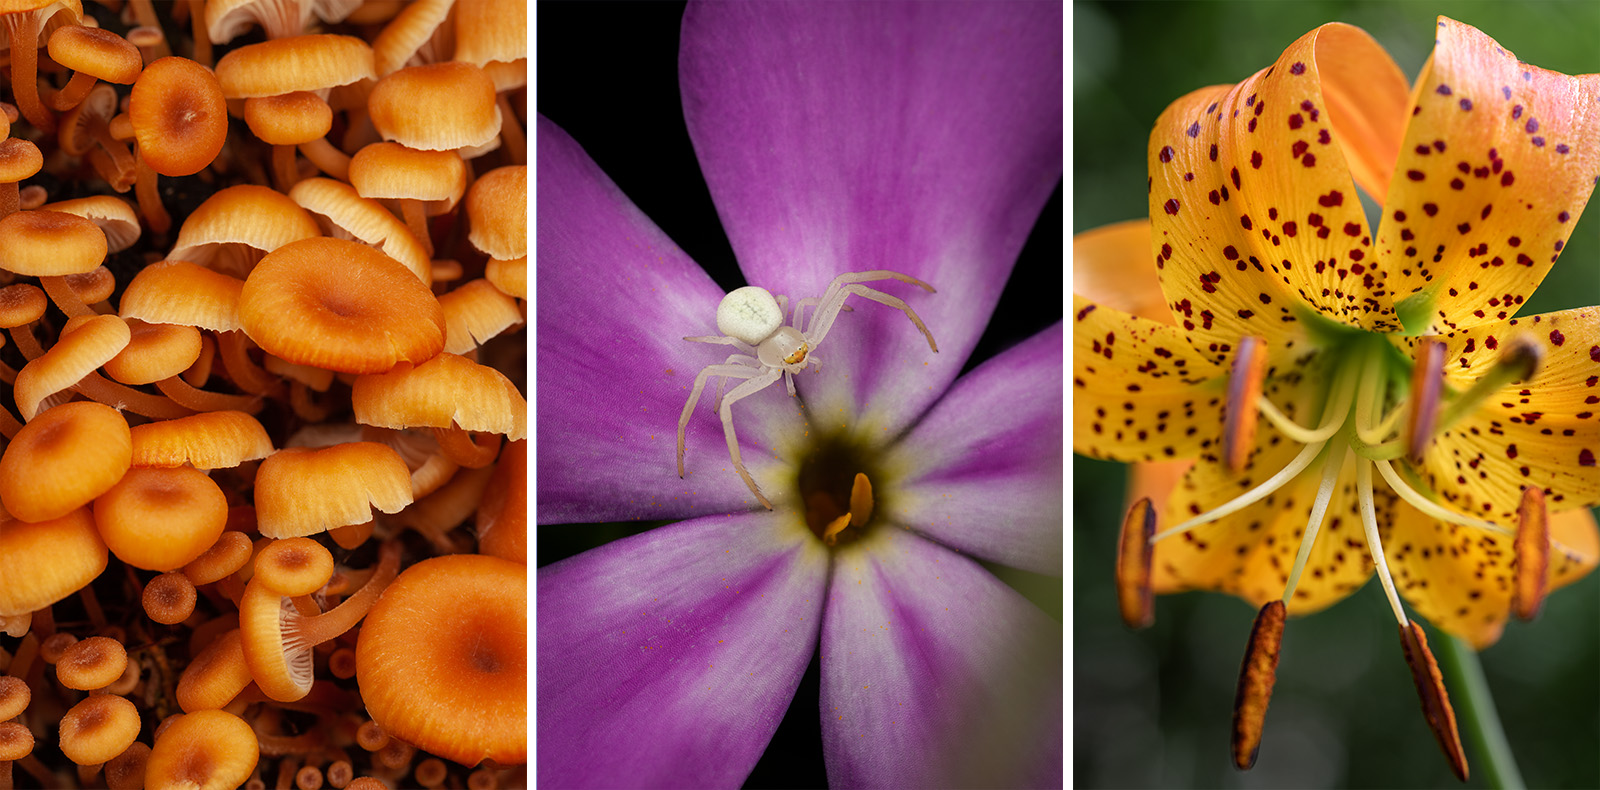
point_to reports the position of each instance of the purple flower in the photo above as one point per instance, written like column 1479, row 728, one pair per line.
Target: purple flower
column 835, row 138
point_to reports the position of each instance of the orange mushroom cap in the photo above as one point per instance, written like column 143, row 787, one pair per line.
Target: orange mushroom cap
column 180, row 292
column 203, row 750
column 246, row 216
column 366, row 314
column 444, row 390
column 46, row 243
column 161, row 519
column 178, row 115
column 297, row 63
column 92, row 663
column 211, row 440
column 63, row 459
column 339, row 209
column 215, row 676
column 497, row 207
column 47, row 561
column 304, row 492
column 99, row 728
column 462, row 692
column 437, row 107
column 96, row 52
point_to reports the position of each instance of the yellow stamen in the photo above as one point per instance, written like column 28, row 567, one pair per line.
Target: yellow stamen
column 1435, row 700
column 860, row 509
column 1427, row 383
column 1133, row 565
column 860, row 500
column 830, row 535
column 1244, row 390
column 1533, row 554
column 1256, row 677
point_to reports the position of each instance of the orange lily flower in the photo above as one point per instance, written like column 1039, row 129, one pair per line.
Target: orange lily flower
column 1342, row 402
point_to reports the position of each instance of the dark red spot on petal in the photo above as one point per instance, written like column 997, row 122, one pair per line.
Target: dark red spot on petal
column 1297, row 69
column 1556, row 337
column 1333, row 198
column 1166, row 153
column 1171, row 206
column 1415, row 175
column 1255, row 159
column 1194, row 129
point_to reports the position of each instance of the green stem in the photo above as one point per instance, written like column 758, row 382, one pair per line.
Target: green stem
column 1475, row 709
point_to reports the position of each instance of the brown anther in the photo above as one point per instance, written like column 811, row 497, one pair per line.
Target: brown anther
column 1256, row 676
column 1244, row 389
column 1435, row 700
column 1133, row 565
column 1427, row 383
column 1532, row 553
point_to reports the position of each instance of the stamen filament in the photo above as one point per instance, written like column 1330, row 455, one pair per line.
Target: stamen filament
column 1250, row 497
column 1519, row 362
column 1422, row 503
column 1369, row 524
column 1290, row 428
column 1319, row 509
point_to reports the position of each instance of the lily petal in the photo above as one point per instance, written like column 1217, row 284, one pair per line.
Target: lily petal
column 1544, row 432
column 668, row 659
column 1141, row 392
column 1111, row 267
column 1497, row 164
column 616, row 298
column 921, row 138
column 989, row 463
column 1460, row 578
column 1251, row 200
column 934, row 673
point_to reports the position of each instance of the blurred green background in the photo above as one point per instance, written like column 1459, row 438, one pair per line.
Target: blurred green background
column 1153, row 708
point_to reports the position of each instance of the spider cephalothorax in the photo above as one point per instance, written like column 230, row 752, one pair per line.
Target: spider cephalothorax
column 751, row 320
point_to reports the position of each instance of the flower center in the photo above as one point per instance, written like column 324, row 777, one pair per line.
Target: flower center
column 1373, row 412
column 836, row 490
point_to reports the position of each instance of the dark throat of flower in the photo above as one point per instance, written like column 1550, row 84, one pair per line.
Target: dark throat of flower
column 1369, row 418
column 836, row 490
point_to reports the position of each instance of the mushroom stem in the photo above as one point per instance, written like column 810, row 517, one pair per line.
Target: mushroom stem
column 8, row 423
column 148, row 190
column 202, row 38
column 65, row 298
column 307, row 632
column 305, row 405
column 245, row 372
column 328, row 159
column 117, row 149
column 200, row 400
column 10, row 199
column 473, row 451
column 512, row 137
column 99, row 388
column 26, row 342
column 74, row 91
column 417, row 219
column 145, row 14
column 24, row 37
column 283, row 165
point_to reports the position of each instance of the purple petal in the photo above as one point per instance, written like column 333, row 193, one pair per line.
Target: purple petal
column 615, row 299
column 934, row 673
column 989, row 459
column 921, row 138
column 668, row 659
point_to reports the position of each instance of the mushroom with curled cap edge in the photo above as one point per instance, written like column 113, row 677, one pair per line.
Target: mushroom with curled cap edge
column 462, row 693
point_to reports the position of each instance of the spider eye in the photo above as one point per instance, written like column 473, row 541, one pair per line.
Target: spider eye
column 749, row 314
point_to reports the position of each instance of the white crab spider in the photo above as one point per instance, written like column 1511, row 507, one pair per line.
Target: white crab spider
column 751, row 320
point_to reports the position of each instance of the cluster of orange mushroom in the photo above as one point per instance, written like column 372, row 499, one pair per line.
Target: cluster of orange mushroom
column 262, row 321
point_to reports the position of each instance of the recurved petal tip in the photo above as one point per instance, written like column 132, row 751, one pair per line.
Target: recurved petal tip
column 1133, row 565
column 1256, row 677
column 1532, row 554
column 1435, row 700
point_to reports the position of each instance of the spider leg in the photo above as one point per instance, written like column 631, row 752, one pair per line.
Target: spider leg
column 725, row 341
column 810, row 301
column 822, row 320
column 834, row 291
column 741, row 359
column 754, row 385
column 729, row 371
